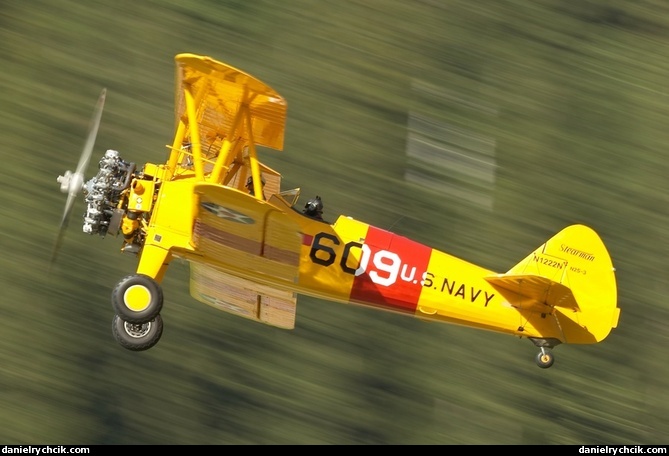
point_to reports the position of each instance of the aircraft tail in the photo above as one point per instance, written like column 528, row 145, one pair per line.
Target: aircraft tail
column 571, row 277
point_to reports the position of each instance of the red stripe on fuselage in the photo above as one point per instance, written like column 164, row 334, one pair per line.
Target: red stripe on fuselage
column 307, row 239
column 393, row 271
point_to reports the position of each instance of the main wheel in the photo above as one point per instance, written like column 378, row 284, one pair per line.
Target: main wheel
column 137, row 298
column 137, row 337
column 544, row 359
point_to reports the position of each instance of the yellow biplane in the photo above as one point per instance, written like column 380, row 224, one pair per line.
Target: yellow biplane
column 252, row 250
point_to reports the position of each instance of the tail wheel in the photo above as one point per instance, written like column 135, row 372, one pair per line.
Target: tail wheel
column 137, row 298
column 544, row 359
column 135, row 336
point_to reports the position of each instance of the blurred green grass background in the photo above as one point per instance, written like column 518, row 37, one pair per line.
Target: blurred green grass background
column 572, row 96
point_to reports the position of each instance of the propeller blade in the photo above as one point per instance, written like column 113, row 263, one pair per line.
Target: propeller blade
column 63, row 227
column 92, row 134
column 72, row 183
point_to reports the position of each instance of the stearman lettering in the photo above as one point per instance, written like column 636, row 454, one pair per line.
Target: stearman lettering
column 578, row 253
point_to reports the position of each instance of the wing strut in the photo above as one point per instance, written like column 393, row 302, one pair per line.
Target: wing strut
column 194, row 134
column 253, row 158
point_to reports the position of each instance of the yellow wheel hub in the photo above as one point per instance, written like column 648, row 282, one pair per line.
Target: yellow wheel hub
column 137, row 298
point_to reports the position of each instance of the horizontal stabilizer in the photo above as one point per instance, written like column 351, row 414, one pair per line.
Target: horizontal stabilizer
column 541, row 291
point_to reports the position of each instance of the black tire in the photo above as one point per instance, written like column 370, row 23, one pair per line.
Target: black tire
column 137, row 337
column 544, row 359
column 137, row 298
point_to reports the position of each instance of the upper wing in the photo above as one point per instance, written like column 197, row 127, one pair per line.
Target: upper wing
column 220, row 92
column 222, row 115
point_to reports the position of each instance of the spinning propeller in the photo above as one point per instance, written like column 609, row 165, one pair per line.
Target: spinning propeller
column 72, row 182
